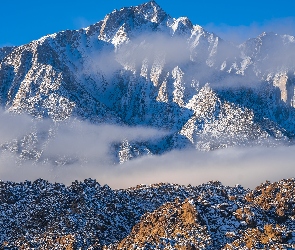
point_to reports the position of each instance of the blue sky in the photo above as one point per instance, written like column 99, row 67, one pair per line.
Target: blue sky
column 23, row 21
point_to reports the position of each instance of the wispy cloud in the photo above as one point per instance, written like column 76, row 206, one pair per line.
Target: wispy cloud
column 10, row 128
column 153, row 46
column 241, row 33
column 246, row 166
column 85, row 150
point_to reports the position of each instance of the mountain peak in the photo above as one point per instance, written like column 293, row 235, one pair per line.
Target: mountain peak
column 151, row 3
column 118, row 25
column 152, row 11
column 139, row 66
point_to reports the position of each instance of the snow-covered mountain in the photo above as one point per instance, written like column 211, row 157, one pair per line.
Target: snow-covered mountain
column 141, row 67
column 142, row 70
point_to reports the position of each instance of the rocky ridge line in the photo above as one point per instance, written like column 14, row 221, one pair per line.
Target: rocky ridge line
column 86, row 215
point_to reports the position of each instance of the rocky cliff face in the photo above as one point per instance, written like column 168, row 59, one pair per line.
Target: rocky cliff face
column 86, row 215
column 139, row 66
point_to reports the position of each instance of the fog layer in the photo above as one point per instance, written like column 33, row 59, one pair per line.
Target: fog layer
column 79, row 150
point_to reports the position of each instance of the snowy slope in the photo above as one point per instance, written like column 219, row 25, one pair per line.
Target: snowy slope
column 139, row 66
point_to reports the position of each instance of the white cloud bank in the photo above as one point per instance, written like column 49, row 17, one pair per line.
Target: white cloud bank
column 88, row 147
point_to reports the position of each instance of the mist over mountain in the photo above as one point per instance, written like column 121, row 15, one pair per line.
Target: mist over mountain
column 140, row 83
column 142, row 97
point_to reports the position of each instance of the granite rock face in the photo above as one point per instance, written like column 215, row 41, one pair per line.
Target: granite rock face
column 86, row 215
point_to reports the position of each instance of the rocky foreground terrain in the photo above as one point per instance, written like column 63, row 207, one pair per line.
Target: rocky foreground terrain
column 86, row 215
